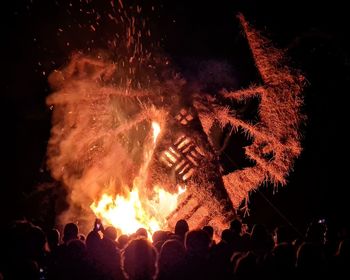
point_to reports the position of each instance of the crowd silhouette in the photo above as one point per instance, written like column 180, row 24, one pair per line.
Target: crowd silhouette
column 27, row 252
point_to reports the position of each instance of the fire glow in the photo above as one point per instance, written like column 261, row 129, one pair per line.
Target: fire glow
column 127, row 170
column 131, row 213
column 135, row 210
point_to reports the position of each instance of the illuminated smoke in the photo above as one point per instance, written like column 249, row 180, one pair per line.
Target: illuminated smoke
column 102, row 130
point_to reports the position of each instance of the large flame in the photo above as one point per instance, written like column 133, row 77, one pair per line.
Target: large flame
column 129, row 213
column 134, row 209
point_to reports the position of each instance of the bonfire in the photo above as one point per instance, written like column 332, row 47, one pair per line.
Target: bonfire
column 133, row 144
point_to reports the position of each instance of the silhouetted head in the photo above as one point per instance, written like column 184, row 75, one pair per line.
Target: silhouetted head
column 227, row 235
column 37, row 240
column 236, row 226
column 246, row 267
column 139, row 260
column 316, row 232
column 181, row 228
column 171, row 254
column 283, row 234
column 76, row 249
column 82, row 237
column 159, row 235
column 122, row 241
column 284, row 255
column 344, row 249
column 26, row 269
column 53, row 238
column 93, row 242
column 197, row 243
column 142, row 232
column 110, row 233
column 259, row 234
column 70, row 232
column 209, row 230
column 310, row 256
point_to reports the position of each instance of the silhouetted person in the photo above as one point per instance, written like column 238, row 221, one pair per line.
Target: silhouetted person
column 82, row 237
column 282, row 262
column 110, row 260
column 283, row 234
column 76, row 249
column 261, row 242
column 139, row 260
column 76, row 264
column 37, row 241
column 210, row 231
column 70, row 232
column 227, row 236
column 159, row 235
column 171, row 260
column 246, row 267
column 344, row 250
column 158, row 238
column 316, row 232
column 53, row 239
column 142, row 232
column 236, row 244
column 25, row 251
column 110, row 233
column 27, row 269
column 20, row 245
column 181, row 228
column 104, row 252
column 311, row 261
column 93, row 244
column 197, row 244
column 246, row 242
column 220, row 257
column 122, row 241
column 110, row 236
column 341, row 261
column 236, row 226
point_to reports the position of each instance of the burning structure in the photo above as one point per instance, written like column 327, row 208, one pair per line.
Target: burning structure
column 133, row 144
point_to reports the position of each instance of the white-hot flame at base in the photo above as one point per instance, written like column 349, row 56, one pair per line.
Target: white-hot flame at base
column 130, row 212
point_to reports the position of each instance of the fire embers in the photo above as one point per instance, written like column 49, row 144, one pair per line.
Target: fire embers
column 199, row 209
column 183, row 156
column 186, row 157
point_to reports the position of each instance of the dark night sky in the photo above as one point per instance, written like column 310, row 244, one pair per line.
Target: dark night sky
column 315, row 35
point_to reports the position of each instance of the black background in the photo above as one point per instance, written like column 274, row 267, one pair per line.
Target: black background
column 314, row 33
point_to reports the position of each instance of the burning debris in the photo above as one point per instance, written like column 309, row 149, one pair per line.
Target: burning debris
column 136, row 150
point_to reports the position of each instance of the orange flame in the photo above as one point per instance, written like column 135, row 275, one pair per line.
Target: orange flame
column 135, row 210
column 130, row 213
